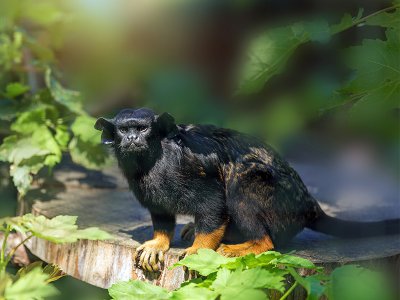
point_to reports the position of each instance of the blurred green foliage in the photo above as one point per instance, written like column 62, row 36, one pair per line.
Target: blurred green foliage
column 44, row 125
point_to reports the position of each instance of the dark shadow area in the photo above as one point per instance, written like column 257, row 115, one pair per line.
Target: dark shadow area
column 92, row 178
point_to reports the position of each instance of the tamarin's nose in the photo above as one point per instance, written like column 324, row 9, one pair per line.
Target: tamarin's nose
column 132, row 137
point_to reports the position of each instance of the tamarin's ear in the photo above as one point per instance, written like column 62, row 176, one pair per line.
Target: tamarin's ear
column 108, row 128
column 166, row 125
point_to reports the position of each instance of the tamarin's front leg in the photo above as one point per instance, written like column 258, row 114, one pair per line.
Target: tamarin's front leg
column 209, row 231
column 151, row 252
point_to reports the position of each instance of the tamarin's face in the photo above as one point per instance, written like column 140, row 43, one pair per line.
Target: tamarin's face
column 135, row 130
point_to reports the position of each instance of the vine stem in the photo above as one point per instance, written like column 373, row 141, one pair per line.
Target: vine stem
column 3, row 246
column 289, row 291
column 10, row 255
column 363, row 19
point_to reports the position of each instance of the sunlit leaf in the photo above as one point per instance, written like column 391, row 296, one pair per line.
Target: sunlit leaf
column 15, row 89
column 62, row 136
column 60, row 229
column 5, row 281
column 206, row 261
column 22, row 178
column 85, row 148
column 31, row 286
column 70, row 99
column 193, row 292
column 293, row 261
column 247, row 284
column 54, row 272
column 83, row 128
column 136, row 289
column 29, row 121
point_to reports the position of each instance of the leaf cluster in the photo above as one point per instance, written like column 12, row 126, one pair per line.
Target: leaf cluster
column 32, row 281
column 256, row 277
column 42, row 127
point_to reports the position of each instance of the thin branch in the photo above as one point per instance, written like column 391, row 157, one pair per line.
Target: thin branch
column 10, row 255
column 289, row 291
column 4, row 245
column 362, row 20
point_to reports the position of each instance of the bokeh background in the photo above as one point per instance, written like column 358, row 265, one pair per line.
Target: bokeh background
column 333, row 97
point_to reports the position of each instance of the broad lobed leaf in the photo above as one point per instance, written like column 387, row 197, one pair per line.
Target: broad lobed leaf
column 134, row 289
column 206, row 261
column 60, row 229
column 32, row 286
column 68, row 98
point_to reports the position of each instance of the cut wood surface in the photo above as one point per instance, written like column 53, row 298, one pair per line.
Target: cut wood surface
column 104, row 200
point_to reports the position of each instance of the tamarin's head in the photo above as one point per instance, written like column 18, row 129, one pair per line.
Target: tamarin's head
column 136, row 130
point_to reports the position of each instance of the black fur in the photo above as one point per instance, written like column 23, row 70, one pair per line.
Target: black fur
column 217, row 175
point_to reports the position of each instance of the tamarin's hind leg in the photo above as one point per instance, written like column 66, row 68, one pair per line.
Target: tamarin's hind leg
column 187, row 232
column 253, row 246
column 207, row 235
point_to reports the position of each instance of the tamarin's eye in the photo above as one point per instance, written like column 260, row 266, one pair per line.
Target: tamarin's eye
column 123, row 129
column 141, row 128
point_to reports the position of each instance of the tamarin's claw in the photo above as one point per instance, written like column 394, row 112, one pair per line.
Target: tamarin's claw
column 150, row 254
column 187, row 232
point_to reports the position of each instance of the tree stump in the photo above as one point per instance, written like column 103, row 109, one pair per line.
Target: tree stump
column 104, row 200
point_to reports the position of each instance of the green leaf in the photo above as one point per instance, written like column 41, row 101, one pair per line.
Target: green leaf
column 28, row 121
column 318, row 31
column 136, row 289
column 83, row 128
column 5, row 281
column 60, row 229
column 312, row 284
column 193, row 292
column 62, row 136
column 376, row 81
column 87, row 154
column 32, row 286
column 68, row 98
column 252, row 278
column 206, row 261
column 15, row 89
column 14, row 150
column 54, row 272
column 10, row 50
column 352, row 282
column 268, row 55
column 85, row 148
column 346, row 22
column 388, row 20
column 247, row 284
column 252, row 261
column 22, row 178
column 293, row 261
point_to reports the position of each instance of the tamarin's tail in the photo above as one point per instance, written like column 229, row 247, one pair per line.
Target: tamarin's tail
column 351, row 229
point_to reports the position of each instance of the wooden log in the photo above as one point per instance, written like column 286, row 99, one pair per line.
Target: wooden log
column 103, row 200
